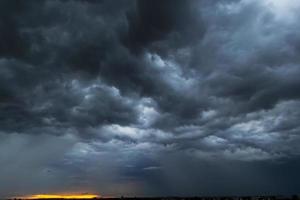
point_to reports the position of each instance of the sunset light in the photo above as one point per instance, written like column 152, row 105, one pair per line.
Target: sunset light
column 62, row 196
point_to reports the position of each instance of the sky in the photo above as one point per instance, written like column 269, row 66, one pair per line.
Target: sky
column 149, row 97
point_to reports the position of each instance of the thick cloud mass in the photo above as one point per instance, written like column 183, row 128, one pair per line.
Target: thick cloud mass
column 149, row 97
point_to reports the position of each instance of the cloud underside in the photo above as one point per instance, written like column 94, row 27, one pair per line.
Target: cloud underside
column 116, row 97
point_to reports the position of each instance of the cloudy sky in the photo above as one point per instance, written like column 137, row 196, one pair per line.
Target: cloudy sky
column 149, row 97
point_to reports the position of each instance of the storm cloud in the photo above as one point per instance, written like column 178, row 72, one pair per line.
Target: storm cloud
column 147, row 97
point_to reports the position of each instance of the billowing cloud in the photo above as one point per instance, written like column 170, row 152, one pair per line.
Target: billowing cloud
column 149, row 97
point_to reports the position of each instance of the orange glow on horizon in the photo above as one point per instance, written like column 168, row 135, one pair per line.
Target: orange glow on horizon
column 62, row 196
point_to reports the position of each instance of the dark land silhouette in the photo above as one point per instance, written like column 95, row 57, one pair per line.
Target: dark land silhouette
column 293, row 197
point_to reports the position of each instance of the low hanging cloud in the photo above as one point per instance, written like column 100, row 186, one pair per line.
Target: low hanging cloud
column 147, row 97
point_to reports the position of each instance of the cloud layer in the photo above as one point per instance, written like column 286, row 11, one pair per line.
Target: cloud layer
column 149, row 97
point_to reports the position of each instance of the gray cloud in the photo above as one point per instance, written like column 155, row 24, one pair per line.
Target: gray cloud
column 152, row 96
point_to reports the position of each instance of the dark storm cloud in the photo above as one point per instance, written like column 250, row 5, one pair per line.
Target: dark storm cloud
column 137, row 88
column 41, row 79
column 12, row 42
column 156, row 21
